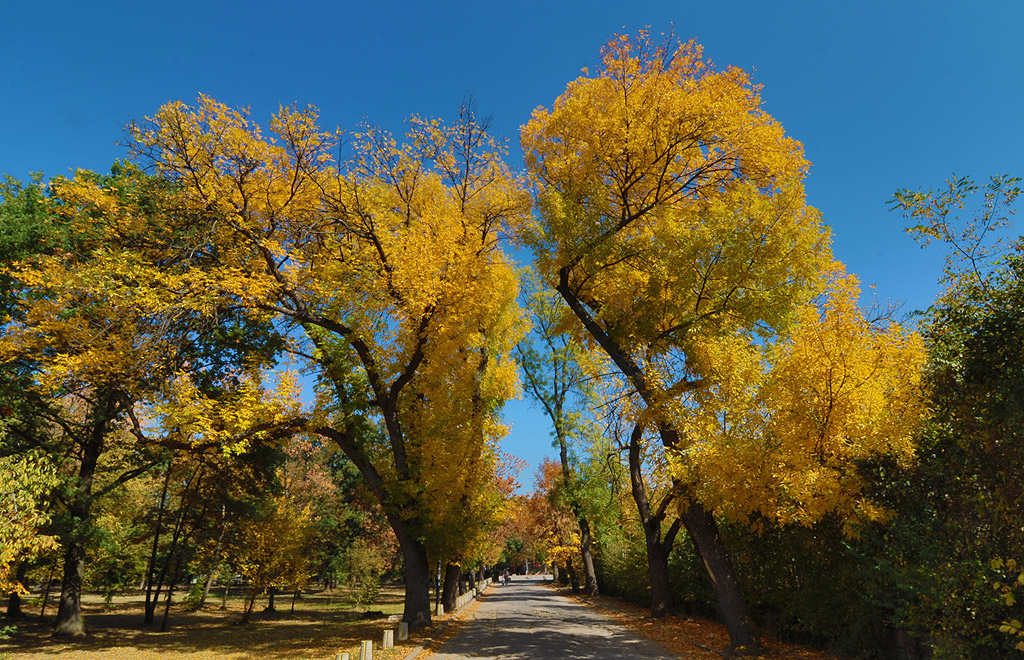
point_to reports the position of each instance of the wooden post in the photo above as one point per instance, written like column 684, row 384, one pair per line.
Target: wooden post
column 389, row 640
column 403, row 631
column 366, row 650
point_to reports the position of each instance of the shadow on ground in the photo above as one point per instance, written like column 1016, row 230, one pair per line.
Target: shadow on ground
column 210, row 633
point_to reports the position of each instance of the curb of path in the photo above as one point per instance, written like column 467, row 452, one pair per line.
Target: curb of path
column 413, row 654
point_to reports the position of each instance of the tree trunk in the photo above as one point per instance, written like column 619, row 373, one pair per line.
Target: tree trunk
column 46, row 589
column 216, row 558
column 589, row 572
column 699, row 523
column 417, row 576
column 14, row 600
column 452, row 574
column 170, row 594
column 658, row 550
column 250, row 603
column 658, row 547
column 14, row 606
column 271, row 592
column 574, row 581
column 731, row 605
column 69, row 612
column 151, row 598
column 206, row 590
column 183, row 509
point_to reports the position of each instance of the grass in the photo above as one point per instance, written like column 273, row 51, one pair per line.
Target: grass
column 322, row 625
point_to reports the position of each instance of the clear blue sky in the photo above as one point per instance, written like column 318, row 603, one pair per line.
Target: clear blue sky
column 883, row 94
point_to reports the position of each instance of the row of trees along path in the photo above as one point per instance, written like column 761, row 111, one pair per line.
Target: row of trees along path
column 527, row 621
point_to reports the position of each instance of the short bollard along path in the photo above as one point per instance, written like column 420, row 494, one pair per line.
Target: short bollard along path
column 527, row 621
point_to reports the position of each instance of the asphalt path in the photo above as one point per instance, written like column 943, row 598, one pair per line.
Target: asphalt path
column 527, row 621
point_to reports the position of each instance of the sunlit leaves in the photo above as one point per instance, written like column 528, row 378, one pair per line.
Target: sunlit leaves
column 778, row 432
column 25, row 484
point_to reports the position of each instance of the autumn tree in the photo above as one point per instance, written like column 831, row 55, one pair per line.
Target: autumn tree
column 786, row 427
column 554, row 380
column 384, row 272
column 960, row 504
column 25, row 481
column 671, row 211
column 555, row 525
column 27, row 476
column 273, row 548
column 95, row 351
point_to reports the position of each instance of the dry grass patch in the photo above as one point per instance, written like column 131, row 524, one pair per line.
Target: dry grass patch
column 322, row 625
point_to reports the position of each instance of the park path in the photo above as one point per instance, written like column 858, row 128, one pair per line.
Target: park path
column 527, row 621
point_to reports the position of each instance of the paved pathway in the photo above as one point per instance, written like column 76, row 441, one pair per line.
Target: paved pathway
column 528, row 621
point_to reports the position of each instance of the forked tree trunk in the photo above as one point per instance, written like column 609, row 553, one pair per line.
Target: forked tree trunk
column 658, row 546
column 699, row 523
column 658, row 550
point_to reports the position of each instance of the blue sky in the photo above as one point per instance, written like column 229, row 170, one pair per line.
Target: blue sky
column 883, row 95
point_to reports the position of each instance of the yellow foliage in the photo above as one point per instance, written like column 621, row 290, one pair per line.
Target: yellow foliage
column 777, row 432
column 25, row 482
column 274, row 549
column 230, row 420
column 386, row 266
column 672, row 220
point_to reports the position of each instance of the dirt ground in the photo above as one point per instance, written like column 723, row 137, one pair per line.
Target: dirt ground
column 692, row 637
column 322, row 625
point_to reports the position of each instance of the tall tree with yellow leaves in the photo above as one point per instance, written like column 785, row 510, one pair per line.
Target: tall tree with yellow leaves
column 384, row 272
column 554, row 380
column 672, row 218
column 784, row 428
column 97, row 350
